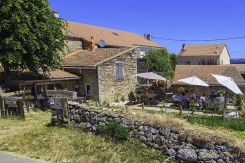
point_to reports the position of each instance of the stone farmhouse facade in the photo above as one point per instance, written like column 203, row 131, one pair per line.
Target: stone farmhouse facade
column 204, row 54
column 108, row 72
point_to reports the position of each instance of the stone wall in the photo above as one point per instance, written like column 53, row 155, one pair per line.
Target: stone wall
column 88, row 76
column 109, row 87
column 142, row 65
column 74, row 44
column 181, row 147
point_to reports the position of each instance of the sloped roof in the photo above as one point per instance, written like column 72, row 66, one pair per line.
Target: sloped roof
column 240, row 67
column 112, row 37
column 24, row 76
column 60, row 74
column 202, row 50
column 204, row 72
column 87, row 58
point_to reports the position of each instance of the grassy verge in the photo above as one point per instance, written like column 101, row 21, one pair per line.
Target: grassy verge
column 195, row 130
column 35, row 139
column 236, row 126
column 216, row 122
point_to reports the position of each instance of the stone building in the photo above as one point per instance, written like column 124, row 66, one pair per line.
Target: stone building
column 204, row 72
column 105, row 59
column 204, row 54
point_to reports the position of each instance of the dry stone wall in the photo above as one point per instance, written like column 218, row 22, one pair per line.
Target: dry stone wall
column 181, row 147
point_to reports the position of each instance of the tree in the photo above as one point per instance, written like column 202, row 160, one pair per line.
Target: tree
column 31, row 37
column 161, row 61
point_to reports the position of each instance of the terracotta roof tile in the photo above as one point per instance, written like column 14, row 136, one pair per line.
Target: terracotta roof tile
column 111, row 36
column 60, row 74
column 240, row 67
column 87, row 58
column 202, row 50
column 204, row 72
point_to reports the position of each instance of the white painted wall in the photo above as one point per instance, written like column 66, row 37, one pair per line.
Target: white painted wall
column 224, row 57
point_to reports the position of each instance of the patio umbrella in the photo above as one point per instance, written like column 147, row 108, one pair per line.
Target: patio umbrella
column 194, row 81
column 151, row 76
column 228, row 82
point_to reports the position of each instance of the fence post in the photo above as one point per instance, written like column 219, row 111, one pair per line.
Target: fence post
column 1, row 106
column 20, row 105
column 66, row 114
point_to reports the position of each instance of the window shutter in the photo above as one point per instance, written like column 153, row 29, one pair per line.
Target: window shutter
column 119, row 71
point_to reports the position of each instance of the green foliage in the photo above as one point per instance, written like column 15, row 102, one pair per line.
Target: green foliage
column 114, row 130
column 91, row 103
column 181, row 90
column 193, row 106
column 161, row 61
column 217, row 122
column 33, row 138
column 216, row 106
column 123, row 98
column 32, row 38
column 173, row 60
column 117, row 96
column 106, row 104
column 239, row 101
column 222, row 92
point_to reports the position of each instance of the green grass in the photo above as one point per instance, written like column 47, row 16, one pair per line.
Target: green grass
column 216, row 122
column 35, row 139
column 213, row 122
column 235, row 127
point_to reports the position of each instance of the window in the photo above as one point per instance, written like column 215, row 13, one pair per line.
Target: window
column 188, row 63
column 119, row 71
column 88, row 90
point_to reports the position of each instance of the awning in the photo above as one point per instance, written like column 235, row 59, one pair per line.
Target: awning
column 194, row 81
column 151, row 76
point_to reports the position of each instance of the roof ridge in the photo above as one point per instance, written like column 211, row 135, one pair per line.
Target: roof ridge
column 106, row 28
column 110, row 35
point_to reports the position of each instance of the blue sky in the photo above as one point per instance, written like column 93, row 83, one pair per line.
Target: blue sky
column 178, row 19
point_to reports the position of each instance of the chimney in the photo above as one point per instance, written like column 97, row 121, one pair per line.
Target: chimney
column 147, row 36
column 92, row 44
column 217, row 50
column 183, row 48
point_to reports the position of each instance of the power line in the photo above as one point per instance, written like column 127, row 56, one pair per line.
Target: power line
column 243, row 51
column 206, row 40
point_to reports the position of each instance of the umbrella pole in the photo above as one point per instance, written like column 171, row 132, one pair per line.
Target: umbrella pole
column 225, row 105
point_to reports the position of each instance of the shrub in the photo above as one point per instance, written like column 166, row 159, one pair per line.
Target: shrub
column 123, row 99
column 239, row 101
column 116, row 97
column 91, row 103
column 105, row 104
column 222, row 92
column 181, row 90
column 114, row 130
column 193, row 106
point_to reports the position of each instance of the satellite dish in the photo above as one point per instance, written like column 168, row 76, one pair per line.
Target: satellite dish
column 101, row 43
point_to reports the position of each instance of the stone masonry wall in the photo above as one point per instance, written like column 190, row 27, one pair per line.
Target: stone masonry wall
column 181, row 147
column 108, row 86
column 88, row 76
column 74, row 44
